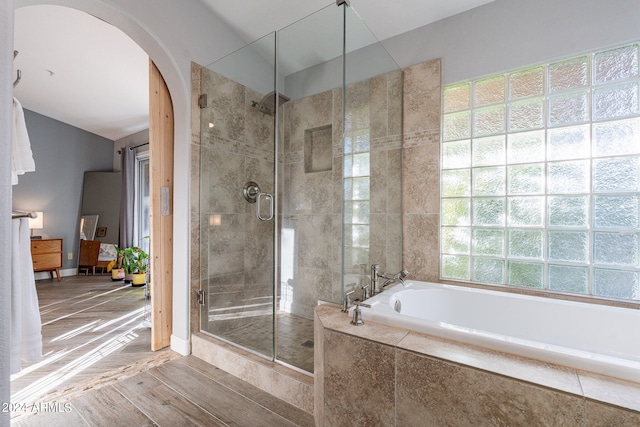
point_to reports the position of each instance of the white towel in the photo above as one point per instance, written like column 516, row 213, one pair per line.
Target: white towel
column 26, row 325
column 21, row 155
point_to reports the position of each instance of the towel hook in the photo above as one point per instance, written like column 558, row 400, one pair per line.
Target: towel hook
column 18, row 72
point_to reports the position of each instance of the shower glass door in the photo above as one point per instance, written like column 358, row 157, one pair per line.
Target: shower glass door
column 307, row 122
column 237, row 195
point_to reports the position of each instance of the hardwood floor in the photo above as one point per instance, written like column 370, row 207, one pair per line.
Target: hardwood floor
column 98, row 370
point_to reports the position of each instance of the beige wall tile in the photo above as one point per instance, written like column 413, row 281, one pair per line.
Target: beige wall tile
column 420, row 246
column 422, row 97
column 435, row 392
column 349, row 381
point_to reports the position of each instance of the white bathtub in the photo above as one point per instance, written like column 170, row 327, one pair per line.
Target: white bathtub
column 591, row 337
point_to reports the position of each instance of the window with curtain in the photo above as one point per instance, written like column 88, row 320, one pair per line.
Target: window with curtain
column 540, row 177
column 143, row 203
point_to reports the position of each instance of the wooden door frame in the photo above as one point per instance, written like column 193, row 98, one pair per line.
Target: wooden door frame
column 161, row 143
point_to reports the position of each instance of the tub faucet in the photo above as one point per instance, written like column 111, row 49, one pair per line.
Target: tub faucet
column 375, row 279
column 399, row 277
column 376, row 288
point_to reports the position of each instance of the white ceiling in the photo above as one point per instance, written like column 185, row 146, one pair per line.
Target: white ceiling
column 84, row 72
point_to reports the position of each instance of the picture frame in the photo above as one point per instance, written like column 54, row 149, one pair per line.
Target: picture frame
column 101, row 231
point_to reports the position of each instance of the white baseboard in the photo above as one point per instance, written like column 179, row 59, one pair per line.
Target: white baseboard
column 180, row 346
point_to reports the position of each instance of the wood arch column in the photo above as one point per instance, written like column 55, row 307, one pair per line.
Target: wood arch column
column 161, row 131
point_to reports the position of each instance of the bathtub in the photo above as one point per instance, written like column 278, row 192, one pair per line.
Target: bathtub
column 592, row 337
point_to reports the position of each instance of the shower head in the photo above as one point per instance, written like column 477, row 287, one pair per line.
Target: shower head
column 267, row 104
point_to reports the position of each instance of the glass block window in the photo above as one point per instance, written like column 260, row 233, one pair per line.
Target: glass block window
column 540, row 178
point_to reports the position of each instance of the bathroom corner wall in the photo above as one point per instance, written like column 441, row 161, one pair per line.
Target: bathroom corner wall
column 421, row 170
column 311, row 214
column 312, row 195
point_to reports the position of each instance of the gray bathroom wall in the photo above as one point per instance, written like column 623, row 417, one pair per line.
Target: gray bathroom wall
column 507, row 34
column 498, row 36
column 62, row 154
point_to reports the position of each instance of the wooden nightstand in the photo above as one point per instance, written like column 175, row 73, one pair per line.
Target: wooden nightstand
column 47, row 255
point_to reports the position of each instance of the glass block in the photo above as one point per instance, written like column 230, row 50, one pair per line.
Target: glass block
column 568, row 177
column 525, row 244
column 360, row 236
column 488, row 91
column 526, row 211
column 489, row 211
column 455, row 212
column 488, row 242
column 455, row 267
column 361, row 164
column 529, row 82
column 525, row 274
column 566, row 278
column 456, row 183
column 613, row 102
column 616, row 212
column 456, row 126
column 455, row 240
column 347, row 143
column 569, row 246
column 568, row 143
column 616, row 138
column 489, row 121
column 526, row 115
column 489, row 181
column 569, row 109
column 362, row 141
column 488, row 271
column 615, row 174
column 615, row 64
column 347, row 166
column 525, row 147
column 360, row 213
column 615, row 283
column 525, row 179
column 360, row 189
column 568, row 74
column 456, row 154
column 347, row 185
column 615, row 249
column 568, row 211
column 488, row 151
column 456, row 97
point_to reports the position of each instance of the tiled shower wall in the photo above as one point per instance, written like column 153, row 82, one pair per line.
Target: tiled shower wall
column 236, row 147
column 421, row 170
column 400, row 106
column 312, row 182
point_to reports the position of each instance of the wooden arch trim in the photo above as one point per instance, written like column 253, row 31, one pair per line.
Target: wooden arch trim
column 161, row 132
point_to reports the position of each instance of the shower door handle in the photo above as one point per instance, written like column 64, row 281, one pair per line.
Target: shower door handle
column 258, row 214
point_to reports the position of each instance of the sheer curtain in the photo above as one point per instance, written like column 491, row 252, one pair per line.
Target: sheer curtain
column 128, row 161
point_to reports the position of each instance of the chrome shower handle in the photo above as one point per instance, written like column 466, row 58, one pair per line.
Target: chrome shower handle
column 258, row 214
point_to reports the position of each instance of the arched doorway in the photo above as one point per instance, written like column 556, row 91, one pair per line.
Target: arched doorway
column 171, row 307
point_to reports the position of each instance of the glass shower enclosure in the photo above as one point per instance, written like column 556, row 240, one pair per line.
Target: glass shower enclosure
column 300, row 180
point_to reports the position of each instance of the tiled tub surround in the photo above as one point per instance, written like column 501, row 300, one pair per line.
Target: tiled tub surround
column 570, row 333
column 380, row 375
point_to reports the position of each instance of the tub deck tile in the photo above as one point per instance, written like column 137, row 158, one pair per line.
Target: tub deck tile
column 509, row 365
column 610, row 390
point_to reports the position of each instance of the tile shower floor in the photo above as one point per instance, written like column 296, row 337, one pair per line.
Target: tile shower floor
column 294, row 338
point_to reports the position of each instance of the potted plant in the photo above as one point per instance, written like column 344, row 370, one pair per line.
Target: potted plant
column 117, row 272
column 134, row 261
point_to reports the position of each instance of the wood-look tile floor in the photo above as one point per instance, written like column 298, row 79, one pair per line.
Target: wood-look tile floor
column 98, row 370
